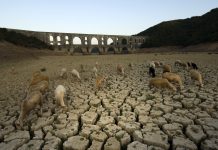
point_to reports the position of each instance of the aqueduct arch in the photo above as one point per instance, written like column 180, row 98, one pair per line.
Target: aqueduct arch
column 85, row 43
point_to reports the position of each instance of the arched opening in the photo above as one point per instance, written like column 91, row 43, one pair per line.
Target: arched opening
column 94, row 41
column 51, row 38
column 77, row 41
column 124, row 50
column 58, row 38
column 111, row 50
column 66, row 40
column 130, row 40
column 124, row 42
column 110, row 41
column 95, row 50
column 77, row 51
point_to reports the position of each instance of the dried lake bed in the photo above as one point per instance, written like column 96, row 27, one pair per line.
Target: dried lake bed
column 124, row 114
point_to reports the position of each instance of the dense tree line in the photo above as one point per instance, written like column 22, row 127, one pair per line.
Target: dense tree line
column 183, row 32
column 22, row 40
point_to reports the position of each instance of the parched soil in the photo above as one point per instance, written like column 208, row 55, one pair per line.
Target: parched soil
column 125, row 113
column 204, row 47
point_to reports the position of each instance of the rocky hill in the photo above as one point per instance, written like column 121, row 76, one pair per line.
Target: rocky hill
column 183, row 32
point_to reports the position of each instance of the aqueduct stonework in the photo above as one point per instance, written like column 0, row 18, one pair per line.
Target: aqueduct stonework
column 88, row 43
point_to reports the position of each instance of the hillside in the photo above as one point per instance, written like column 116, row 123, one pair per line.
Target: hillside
column 22, row 40
column 14, row 53
column 183, row 32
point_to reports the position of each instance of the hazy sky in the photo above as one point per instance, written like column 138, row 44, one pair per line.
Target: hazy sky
column 116, row 17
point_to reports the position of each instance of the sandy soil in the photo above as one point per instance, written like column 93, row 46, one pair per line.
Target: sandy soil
column 53, row 64
column 137, row 112
column 204, row 47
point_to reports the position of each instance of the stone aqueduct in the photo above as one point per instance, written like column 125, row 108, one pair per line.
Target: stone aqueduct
column 88, row 43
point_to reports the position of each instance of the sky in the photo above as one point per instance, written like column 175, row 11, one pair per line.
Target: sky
column 113, row 17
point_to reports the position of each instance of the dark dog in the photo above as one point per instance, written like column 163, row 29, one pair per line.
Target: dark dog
column 152, row 72
column 194, row 66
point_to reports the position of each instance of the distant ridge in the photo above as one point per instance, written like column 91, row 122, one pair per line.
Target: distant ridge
column 183, row 32
column 22, row 40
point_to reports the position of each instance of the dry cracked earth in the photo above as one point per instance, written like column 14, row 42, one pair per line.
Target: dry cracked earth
column 124, row 114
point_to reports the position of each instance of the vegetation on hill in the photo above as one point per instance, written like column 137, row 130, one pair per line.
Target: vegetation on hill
column 22, row 40
column 183, row 32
